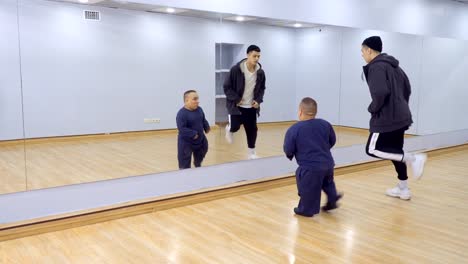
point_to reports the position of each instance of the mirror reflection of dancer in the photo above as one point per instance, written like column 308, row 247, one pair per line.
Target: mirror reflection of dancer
column 244, row 89
column 192, row 126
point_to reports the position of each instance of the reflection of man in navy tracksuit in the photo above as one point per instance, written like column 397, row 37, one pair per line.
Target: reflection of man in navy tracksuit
column 310, row 141
column 192, row 125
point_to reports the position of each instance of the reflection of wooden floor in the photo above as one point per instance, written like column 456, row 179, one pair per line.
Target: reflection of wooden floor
column 261, row 228
column 62, row 161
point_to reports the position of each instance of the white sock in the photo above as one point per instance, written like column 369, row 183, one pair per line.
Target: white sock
column 403, row 185
column 408, row 157
column 251, row 151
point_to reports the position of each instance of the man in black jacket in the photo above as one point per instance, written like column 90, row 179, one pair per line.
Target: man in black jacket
column 244, row 89
column 390, row 90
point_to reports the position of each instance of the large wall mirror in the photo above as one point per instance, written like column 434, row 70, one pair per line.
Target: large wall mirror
column 91, row 92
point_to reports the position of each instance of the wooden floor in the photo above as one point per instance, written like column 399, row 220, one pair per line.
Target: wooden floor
column 63, row 161
column 261, row 228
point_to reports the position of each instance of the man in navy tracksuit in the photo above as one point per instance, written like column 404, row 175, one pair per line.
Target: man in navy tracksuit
column 192, row 126
column 310, row 141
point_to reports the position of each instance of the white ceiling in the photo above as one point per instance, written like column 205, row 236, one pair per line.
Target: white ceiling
column 122, row 4
column 127, row 4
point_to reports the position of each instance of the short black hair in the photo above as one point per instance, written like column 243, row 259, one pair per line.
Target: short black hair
column 188, row 92
column 253, row 48
column 308, row 106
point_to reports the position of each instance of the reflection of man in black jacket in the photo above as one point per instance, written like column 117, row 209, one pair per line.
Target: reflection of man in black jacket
column 244, row 89
column 390, row 90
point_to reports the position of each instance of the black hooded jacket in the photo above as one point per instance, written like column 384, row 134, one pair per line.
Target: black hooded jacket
column 390, row 90
column 234, row 87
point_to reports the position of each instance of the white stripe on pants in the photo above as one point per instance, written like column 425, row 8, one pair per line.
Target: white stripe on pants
column 381, row 154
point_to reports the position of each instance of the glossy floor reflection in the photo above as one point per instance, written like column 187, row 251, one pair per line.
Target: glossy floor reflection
column 261, row 228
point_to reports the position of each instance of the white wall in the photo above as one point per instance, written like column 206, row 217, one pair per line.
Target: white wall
column 108, row 76
column 444, row 94
column 437, row 69
column 85, row 77
column 442, row 18
column 318, row 68
column 11, row 119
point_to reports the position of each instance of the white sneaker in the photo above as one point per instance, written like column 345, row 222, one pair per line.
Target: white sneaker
column 403, row 194
column 252, row 156
column 228, row 134
column 417, row 165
